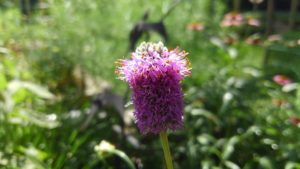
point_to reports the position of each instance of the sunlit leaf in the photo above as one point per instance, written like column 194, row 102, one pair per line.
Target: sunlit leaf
column 3, row 82
column 292, row 165
column 10, row 67
column 217, row 41
column 229, row 147
column 4, row 50
column 205, row 139
column 105, row 148
column 34, row 157
column 206, row 114
column 40, row 91
column 265, row 163
column 206, row 164
column 46, row 121
column 20, row 95
column 231, row 165
column 40, row 119
column 290, row 87
column 253, row 130
column 34, row 152
column 233, row 53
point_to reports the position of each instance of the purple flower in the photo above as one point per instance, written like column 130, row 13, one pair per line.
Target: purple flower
column 154, row 74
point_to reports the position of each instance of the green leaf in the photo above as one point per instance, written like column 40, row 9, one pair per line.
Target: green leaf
column 4, row 51
column 265, row 163
column 44, row 120
column 32, row 151
column 292, row 165
column 20, row 95
column 290, row 87
column 3, row 82
column 40, row 119
column 34, row 156
column 206, row 164
column 38, row 90
column 105, row 149
column 10, row 67
column 232, row 52
column 228, row 148
column 252, row 130
column 205, row 139
column 206, row 114
column 231, row 165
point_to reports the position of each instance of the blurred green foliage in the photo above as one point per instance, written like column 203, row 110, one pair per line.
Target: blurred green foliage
column 235, row 115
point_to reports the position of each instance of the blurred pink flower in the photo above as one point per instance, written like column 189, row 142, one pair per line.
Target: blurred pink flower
column 253, row 22
column 232, row 19
column 195, row 26
column 295, row 120
column 281, row 80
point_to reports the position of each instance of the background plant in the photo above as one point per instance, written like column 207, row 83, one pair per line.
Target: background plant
column 236, row 116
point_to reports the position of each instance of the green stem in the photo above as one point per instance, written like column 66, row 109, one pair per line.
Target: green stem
column 166, row 149
column 123, row 156
column 236, row 5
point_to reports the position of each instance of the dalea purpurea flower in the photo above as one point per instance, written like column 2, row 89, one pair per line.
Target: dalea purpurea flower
column 154, row 74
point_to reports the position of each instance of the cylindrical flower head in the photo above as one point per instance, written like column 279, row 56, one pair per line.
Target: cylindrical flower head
column 154, row 74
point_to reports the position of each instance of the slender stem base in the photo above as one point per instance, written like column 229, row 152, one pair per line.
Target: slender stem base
column 165, row 145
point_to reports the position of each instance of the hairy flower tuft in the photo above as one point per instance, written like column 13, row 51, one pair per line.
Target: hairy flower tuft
column 154, row 74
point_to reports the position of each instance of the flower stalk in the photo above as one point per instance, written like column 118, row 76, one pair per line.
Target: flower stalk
column 165, row 145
